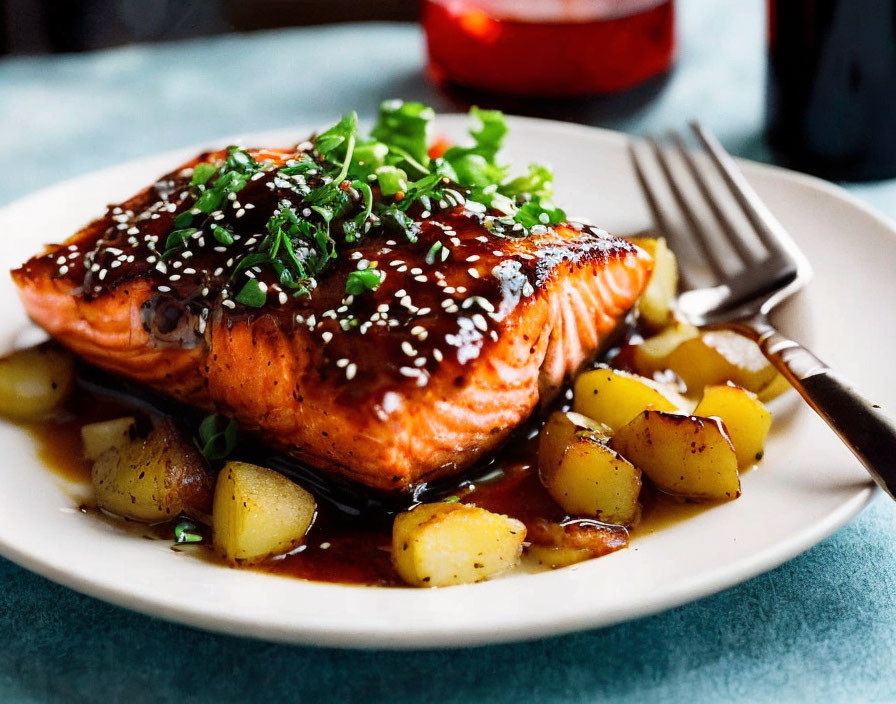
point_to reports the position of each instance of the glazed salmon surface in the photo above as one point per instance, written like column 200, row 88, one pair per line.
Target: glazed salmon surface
column 467, row 332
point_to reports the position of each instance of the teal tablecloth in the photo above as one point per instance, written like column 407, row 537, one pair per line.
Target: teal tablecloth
column 821, row 627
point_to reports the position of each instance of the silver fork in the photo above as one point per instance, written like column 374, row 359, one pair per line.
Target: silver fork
column 769, row 270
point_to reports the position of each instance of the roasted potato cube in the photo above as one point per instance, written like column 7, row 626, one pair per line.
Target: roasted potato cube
column 101, row 436
column 652, row 355
column 657, row 303
column 682, row 455
column 153, row 479
column 558, row 433
column 614, row 397
column 556, row 556
column 258, row 513
column 35, row 381
column 441, row 544
column 719, row 356
column 746, row 420
column 559, row 544
column 590, row 479
column 774, row 388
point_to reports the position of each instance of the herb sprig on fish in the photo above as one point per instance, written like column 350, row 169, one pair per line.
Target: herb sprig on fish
column 346, row 187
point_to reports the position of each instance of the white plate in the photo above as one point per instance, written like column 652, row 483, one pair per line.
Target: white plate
column 807, row 487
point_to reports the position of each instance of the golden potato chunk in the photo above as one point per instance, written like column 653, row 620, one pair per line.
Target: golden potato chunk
column 442, row 544
column 746, row 420
column 589, row 479
column 652, row 355
column 719, row 356
column 153, row 479
column 558, row 433
column 106, row 434
column 560, row 544
column 35, row 381
column 258, row 513
column 774, row 388
column 657, row 303
column 614, row 397
column 682, row 455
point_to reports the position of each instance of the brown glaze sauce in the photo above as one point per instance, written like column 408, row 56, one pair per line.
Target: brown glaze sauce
column 337, row 548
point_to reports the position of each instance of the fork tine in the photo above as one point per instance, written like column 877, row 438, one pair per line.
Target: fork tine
column 734, row 238
column 694, row 224
column 659, row 216
column 769, row 230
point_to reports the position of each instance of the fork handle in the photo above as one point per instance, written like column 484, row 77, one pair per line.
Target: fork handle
column 863, row 426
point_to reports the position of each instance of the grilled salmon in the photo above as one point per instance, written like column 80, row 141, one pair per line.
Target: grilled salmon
column 404, row 359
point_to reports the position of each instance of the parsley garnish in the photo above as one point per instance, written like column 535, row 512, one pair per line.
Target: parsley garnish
column 217, row 436
column 359, row 282
column 186, row 532
column 348, row 186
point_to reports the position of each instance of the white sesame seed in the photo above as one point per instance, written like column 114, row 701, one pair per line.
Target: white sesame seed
column 342, row 363
column 473, row 272
column 174, row 277
column 473, row 258
column 416, row 270
column 437, row 355
column 283, row 298
column 480, row 322
column 424, row 311
column 164, row 289
column 63, row 270
column 422, row 278
column 409, row 371
column 408, row 349
column 326, row 336
column 350, row 371
column 103, row 274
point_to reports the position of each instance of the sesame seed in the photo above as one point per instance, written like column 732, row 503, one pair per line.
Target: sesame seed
column 350, row 371
column 409, row 371
column 164, row 289
column 283, row 298
column 473, row 272
column 174, row 277
column 326, row 336
column 473, row 258
column 422, row 278
column 416, row 271
column 408, row 349
column 342, row 363
column 424, row 311
column 437, row 355
column 480, row 322
column 63, row 270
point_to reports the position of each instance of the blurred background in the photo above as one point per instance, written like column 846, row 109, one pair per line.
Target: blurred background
column 34, row 26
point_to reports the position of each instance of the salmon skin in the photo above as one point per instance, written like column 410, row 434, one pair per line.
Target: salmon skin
column 417, row 378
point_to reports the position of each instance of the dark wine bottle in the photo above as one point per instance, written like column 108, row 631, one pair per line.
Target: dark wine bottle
column 831, row 88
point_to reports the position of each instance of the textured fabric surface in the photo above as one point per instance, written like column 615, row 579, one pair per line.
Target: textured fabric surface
column 821, row 627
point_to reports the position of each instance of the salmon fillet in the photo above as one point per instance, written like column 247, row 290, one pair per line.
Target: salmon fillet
column 391, row 387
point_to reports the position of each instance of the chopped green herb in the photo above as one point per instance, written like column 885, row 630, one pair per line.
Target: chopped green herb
column 187, row 532
column 222, row 234
column 202, row 172
column 359, row 282
column 252, row 295
column 451, row 500
column 217, row 436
